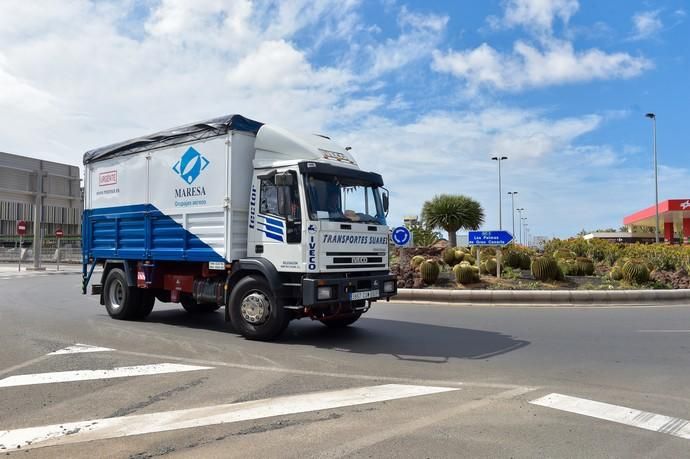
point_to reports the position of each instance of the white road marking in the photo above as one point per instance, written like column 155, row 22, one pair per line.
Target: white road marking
column 644, row 420
column 663, row 331
column 407, row 429
column 99, row 429
column 80, row 348
column 89, row 375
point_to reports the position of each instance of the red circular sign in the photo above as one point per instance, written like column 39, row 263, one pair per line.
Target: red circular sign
column 59, row 233
column 21, row 227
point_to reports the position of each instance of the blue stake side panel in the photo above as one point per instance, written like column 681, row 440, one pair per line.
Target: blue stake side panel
column 140, row 232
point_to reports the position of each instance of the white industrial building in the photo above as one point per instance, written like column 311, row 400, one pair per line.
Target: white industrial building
column 32, row 189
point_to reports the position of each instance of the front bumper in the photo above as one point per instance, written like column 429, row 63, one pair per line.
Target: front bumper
column 347, row 289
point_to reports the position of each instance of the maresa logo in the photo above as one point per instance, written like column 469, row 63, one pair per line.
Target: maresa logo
column 190, row 165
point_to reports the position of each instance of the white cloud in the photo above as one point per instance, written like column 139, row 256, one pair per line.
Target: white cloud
column 530, row 66
column 646, row 24
column 421, row 33
column 536, row 15
column 452, row 151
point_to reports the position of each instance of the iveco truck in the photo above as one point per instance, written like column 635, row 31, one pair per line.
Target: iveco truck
column 232, row 212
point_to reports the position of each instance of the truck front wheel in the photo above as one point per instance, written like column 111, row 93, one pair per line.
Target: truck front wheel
column 121, row 301
column 255, row 312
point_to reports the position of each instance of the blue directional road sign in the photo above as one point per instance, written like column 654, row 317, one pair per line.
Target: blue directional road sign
column 489, row 237
column 401, row 236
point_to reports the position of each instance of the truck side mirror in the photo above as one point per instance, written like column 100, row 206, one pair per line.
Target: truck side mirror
column 284, row 179
column 385, row 201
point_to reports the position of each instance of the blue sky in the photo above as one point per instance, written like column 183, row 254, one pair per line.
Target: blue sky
column 424, row 92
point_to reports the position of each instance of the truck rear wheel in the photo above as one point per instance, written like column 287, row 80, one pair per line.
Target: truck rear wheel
column 255, row 312
column 121, row 301
column 191, row 306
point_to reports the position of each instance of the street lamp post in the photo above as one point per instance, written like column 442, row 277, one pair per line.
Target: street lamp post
column 523, row 224
column 652, row 116
column 519, row 211
column 500, row 216
column 512, row 199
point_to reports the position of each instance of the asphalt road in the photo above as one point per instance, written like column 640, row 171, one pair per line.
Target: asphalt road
column 405, row 381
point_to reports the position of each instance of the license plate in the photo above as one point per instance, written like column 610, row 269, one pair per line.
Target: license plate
column 364, row 295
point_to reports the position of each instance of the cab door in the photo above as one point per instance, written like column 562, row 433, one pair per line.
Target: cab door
column 277, row 234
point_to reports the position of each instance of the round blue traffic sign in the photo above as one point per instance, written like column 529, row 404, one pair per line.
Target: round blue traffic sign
column 400, row 235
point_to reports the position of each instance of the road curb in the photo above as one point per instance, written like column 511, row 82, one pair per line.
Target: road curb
column 545, row 297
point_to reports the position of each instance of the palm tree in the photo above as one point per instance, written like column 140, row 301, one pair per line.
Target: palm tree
column 453, row 212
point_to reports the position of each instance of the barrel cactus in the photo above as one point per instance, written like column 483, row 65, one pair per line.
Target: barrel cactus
column 416, row 261
column 569, row 267
column 525, row 261
column 460, row 255
column 585, row 266
column 464, row 274
column 469, row 259
column 635, row 272
column 430, row 271
column 490, row 266
column 545, row 269
column 513, row 259
column 487, row 253
column 449, row 256
column 564, row 254
column 616, row 273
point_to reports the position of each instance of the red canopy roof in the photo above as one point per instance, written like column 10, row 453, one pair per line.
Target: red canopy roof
column 672, row 210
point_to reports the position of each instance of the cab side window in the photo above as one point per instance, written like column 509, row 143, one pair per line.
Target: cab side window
column 268, row 198
column 283, row 201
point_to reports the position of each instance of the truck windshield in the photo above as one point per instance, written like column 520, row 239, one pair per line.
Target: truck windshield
column 344, row 200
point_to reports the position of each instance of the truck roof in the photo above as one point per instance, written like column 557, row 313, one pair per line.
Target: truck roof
column 194, row 131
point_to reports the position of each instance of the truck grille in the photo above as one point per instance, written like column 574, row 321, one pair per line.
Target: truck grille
column 356, row 260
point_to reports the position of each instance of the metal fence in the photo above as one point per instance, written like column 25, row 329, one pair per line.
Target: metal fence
column 69, row 252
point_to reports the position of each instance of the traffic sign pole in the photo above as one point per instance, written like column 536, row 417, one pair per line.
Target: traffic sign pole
column 21, row 230
column 58, row 234
column 496, row 239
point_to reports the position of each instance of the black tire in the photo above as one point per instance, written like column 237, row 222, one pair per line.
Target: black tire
column 121, row 302
column 254, row 321
column 192, row 307
column 342, row 322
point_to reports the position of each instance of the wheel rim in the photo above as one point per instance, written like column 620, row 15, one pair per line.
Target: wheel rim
column 116, row 295
column 255, row 308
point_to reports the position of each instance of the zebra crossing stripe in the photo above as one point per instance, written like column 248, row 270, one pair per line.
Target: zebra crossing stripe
column 99, row 429
column 90, row 375
column 642, row 419
column 80, row 348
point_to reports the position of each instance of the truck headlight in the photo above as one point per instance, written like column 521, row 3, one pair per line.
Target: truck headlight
column 324, row 293
column 389, row 286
